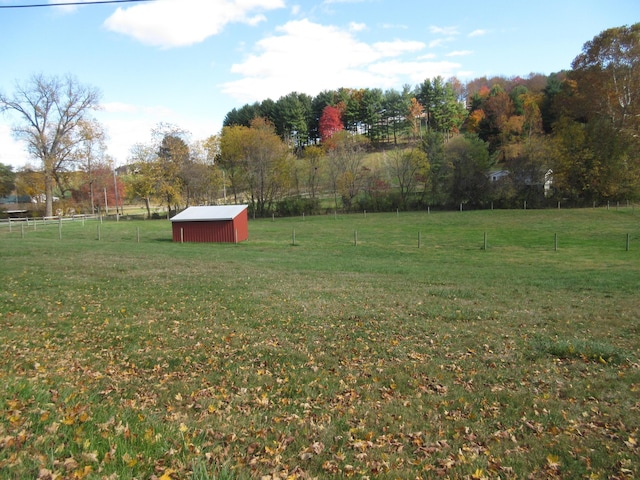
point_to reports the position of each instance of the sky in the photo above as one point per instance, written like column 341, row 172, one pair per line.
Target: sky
column 189, row 62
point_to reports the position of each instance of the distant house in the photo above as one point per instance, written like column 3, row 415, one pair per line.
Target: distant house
column 548, row 179
column 498, row 175
column 42, row 198
column 218, row 223
column 548, row 183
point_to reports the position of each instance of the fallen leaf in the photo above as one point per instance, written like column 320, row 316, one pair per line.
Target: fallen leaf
column 553, row 461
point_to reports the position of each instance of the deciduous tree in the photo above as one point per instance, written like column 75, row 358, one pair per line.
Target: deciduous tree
column 468, row 164
column 598, row 138
column 346, row 171
column 414, row 116
column 30, row 181
column 258, row 157
column 607, row 73
column 407, row 167
column 172, row 156
column 314, row 166
column 141, row 179
column 51, row 112
column 330, row 122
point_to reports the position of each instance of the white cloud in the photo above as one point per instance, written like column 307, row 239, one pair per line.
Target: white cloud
column 459, row 53
column 449, row 31
column 128, row 125
column 416, row 71
column 13, row 153
column 177, row 23
column 397, row 47
column 436, row 43
column 478, row 33
column 393, row 26
column 357, row 27
column 283, row 64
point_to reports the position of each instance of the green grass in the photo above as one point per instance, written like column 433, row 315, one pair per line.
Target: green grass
column 127, row 359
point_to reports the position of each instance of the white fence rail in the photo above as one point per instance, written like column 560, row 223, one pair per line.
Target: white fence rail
column 55, row 220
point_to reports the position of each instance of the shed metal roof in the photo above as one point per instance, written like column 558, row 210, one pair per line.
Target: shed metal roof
column 209, row 213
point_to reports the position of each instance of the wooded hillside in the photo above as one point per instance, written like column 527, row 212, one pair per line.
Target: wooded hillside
column 574, row 132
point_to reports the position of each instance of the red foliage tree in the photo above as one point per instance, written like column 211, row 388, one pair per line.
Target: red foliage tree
column 330, row 122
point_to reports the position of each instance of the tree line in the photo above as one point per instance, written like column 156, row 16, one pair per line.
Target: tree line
column 570, row 136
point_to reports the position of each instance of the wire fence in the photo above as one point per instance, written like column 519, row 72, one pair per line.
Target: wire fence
column 356, row 232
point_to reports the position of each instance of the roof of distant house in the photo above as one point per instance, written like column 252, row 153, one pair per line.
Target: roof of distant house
column 209, row 213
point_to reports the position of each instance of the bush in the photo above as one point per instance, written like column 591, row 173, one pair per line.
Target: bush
column 290, row 207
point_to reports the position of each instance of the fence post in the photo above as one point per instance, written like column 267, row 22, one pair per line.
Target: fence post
column 355, row 238
column 628, row 242
column 419, row 239
column 555, row 242
column 485, row 241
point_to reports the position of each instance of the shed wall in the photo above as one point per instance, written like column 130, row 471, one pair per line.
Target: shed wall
column 221, row 231
column 241, row 225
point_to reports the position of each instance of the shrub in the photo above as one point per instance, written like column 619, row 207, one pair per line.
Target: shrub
column 290, row 207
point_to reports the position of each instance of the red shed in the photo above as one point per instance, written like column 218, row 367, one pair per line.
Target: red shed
column 218, row 223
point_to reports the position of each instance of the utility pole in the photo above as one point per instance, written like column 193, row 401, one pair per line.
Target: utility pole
column 115, row 188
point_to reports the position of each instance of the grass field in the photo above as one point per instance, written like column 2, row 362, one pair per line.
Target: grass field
column 135, row 357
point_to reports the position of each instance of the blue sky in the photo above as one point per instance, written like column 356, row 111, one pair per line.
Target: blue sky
column 189, row 62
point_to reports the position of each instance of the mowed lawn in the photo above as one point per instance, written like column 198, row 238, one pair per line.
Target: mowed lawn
column 489, row 344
